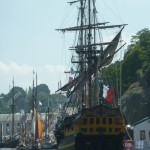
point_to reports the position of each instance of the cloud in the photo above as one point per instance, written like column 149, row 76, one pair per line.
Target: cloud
column 54, row 69
column 23, row 75
column 14, row 68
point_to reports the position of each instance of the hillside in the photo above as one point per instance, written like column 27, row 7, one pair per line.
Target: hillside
column 23, row 99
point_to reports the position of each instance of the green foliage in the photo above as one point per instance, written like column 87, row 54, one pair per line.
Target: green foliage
column 136, row 60
column 24, row 99
column 134, row 85
column 146, row 71
column 132, row 63
column 43, row 88
column 135, row 82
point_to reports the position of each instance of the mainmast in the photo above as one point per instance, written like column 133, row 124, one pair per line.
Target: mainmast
column 92, row 53
column 82, row 56
column 89, row 52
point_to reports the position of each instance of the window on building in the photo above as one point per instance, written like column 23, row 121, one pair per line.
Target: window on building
column 142, row 135
column 18, row 129
column 7, row 124
column 7, row 130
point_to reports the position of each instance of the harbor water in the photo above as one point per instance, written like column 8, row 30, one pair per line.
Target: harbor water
column 7, row 148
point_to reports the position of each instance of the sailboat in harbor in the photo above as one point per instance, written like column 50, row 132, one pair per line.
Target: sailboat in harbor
column 36, row 125
column 89, row 119
column 13, row 139
column 47, row 142
column 36, row 128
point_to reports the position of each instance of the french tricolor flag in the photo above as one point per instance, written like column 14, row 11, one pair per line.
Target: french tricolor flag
column 107, row 93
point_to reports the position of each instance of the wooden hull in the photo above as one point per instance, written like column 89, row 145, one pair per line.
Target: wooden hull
column 67, row 143
column 99, row 128
column 98, row 142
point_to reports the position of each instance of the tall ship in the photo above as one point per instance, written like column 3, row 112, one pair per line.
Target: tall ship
column 90, row 119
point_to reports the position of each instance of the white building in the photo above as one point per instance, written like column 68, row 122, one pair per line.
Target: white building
column 19, row 123
column 141, row 133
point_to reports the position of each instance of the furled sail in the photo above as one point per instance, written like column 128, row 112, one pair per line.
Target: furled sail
column 108, row 60
column 103, row 60
column 110, row 49
column 38, row 128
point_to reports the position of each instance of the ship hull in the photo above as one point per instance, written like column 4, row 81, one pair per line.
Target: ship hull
column 99, row 128
column 92, row 142
column 67, row 143
column 9, row 144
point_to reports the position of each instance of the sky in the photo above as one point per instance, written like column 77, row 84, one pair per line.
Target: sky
column 29, row 41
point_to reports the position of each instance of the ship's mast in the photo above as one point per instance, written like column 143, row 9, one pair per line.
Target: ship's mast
column 92, row 54
column 96, row 72
column 48, row 124
column 47, row 119
column 81, row 43
column 36, row 106
column 25, row 123
column 13, row 109
column 89, row 52
column 36, row 95
column 33, row 97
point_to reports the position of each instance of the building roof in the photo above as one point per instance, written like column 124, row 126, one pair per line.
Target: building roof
column 140, row 121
